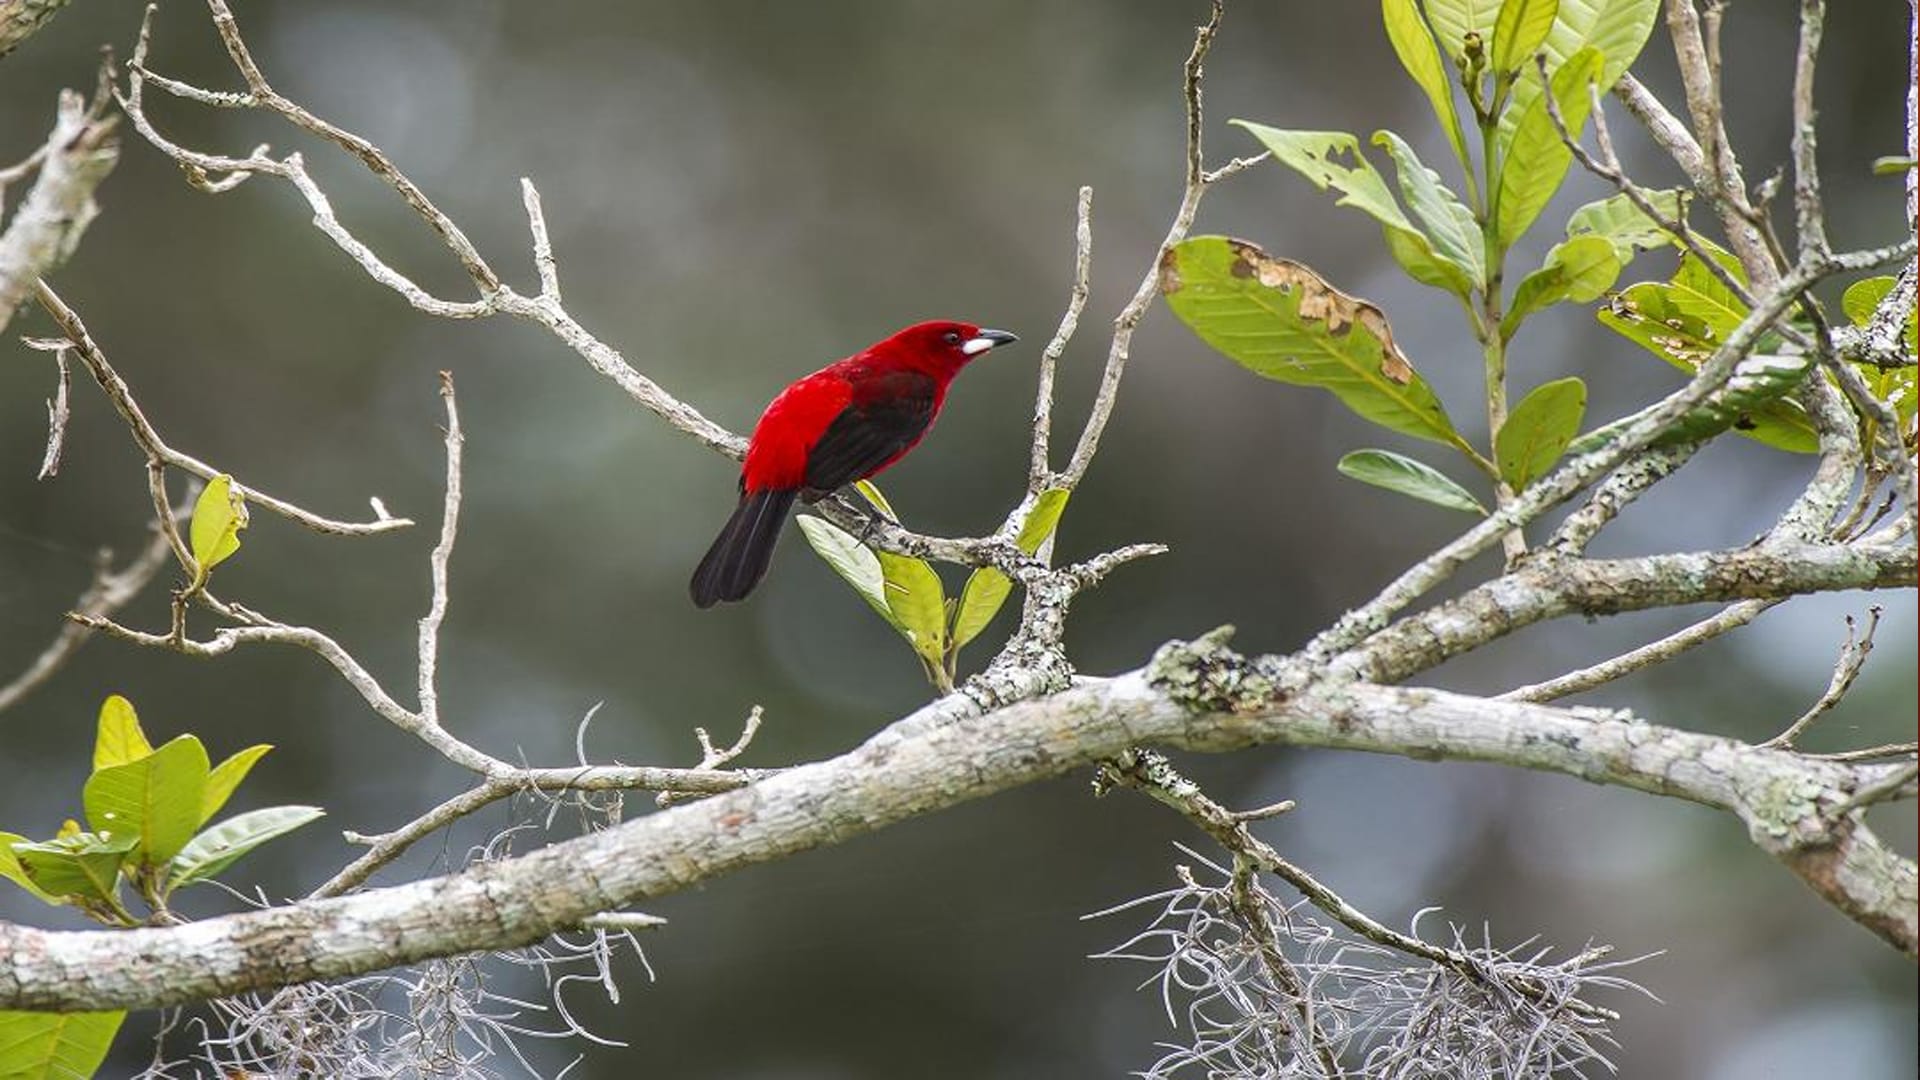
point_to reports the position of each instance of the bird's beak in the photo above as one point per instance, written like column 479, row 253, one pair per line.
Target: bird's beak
column 985, row 340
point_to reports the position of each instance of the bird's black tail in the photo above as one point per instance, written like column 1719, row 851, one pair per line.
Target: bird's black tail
column 739, row 556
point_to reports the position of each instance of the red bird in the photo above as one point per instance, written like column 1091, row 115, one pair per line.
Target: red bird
column 845, row 422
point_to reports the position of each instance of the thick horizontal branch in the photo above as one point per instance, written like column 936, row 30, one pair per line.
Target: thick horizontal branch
column 1201, row 697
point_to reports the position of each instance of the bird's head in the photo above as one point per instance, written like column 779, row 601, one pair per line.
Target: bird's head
column 944, row 346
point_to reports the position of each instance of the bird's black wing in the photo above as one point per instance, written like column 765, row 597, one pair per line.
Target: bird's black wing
column 868, row 434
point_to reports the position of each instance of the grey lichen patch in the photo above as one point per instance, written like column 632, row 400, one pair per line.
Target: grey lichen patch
column 1206, row 676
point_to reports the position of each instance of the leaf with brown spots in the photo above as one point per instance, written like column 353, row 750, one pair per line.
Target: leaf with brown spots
column 1280, row 319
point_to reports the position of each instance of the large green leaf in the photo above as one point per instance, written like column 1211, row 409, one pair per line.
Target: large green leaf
column 120, row 739
column 918, row 602
column 218, row 516
column 1332, row 159
column 1453, row 20
column 80, row 864
column 219, row 847
column 226, row 776
column 55, row 1046
column 156, row 799
column 1580, row 269
column 1278, row 318
column 1622, row 223
column 1414, row 44
column 1618, row 29
column 12, row 870
column 1536, row 160
column 1757, row 385
column 1448, row 224
column 1397, row 472
column 1518, row 32
column 987, row 588
column 856, row 564
column 1538, row 430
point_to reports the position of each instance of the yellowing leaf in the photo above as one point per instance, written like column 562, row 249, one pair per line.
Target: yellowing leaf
column 218, row 516
column 1279, row 319
column 226, row 776
column 918, row 603
column 156, row 799
column 1332, row 159
column 120, row 739
column 1536, row 160
column 1518, row 32
column 987, row 588
column 1414, row 44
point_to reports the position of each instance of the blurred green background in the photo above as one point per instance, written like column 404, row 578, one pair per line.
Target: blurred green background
column 740, row 192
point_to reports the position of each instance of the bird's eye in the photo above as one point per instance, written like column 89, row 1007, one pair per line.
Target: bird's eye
column 951, row 337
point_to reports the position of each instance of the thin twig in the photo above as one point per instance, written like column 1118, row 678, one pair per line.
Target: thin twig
column 429, row 636
column 59, row 407
column 1896, row 785
column 1732, row 617
column 1040, row 469
column 160, row 454
column 110, row 591
column 1136, row 307
column 1853, row 656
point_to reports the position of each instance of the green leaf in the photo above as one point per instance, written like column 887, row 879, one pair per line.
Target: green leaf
column 1617, row 29
column 156, row 799
column 1449, row 225
column 1538, row 430
column 1332, row 159
column 1536, row 160
column 1893, row 164
column 856, row 564
column 218, row 516
column 221, row 846
column 871, row 492
column 1697, row 291
column 55, row 1046
column 1414, row 44
column 1625, row 225
column 1863, row 296
column 1518, row 32
column 84, row 865
column 225, row 777
column 1757, row 386
column 1397, row 472
column 120, row 739
column 1648, row 315
column 1279, row 319
column 1453, row 20
column 1580, row 269
column 987, row 588
column 12, row 870
column 918, row 603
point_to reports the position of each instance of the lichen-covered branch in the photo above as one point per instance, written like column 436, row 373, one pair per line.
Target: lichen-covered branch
column 78, row 154
column 1199, row 696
